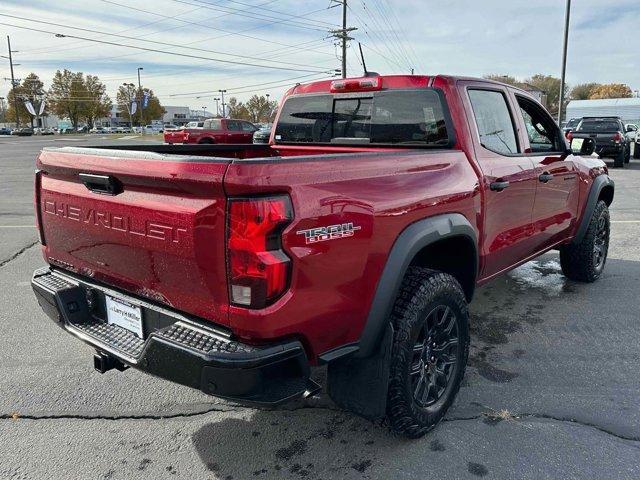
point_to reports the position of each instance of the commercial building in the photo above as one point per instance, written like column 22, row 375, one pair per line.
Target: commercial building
column 628, row 109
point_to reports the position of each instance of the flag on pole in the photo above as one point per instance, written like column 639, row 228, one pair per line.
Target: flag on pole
column 145, row 100
column 30, row 108
column 41, row 109
column 134, row 107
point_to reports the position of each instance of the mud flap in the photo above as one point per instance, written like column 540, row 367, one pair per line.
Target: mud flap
column 360, row 385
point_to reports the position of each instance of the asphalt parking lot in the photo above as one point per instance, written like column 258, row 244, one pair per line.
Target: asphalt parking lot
column 552, row 389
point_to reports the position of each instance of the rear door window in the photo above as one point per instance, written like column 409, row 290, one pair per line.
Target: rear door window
column 400, row 117
column 494, row 121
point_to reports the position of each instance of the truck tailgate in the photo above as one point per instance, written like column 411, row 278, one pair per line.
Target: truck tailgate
column 159, row 234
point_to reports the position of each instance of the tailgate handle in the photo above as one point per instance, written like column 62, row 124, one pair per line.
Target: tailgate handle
column 105, row 184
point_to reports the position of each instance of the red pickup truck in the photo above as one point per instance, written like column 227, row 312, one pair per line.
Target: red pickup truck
column 355, row 239
column 215, row 130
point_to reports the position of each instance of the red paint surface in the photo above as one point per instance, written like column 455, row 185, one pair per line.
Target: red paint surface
column 177, row 209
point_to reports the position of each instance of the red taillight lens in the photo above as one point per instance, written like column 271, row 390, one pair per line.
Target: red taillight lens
column 569, row 136
column 617, row 137
column 258, row 269
column 357, row 85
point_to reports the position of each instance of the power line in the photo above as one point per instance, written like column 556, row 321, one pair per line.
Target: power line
column 155, row 50
column 127, row 37
column 244, row 86
column 241, row 13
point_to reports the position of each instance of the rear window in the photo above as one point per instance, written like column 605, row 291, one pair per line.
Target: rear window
column 401, row 117
column 599, row 126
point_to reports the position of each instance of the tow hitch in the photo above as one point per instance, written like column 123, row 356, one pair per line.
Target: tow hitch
column 103, row 363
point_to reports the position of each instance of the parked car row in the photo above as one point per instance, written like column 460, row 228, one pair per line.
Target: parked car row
column 613, row 138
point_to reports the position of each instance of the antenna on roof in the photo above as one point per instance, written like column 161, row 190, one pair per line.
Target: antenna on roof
column 364, row 65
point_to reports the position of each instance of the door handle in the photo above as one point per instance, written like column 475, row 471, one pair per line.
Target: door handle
column 104, row 184
column 545, row 177
column 498, row 186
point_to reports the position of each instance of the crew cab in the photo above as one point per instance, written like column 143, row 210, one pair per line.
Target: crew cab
column 215, row 130
column 610, row 135
column 354, row 239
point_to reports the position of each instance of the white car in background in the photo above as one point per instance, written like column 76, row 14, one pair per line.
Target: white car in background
column 152, row 129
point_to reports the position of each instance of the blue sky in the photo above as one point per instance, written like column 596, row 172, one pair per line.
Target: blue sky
column 519, row 38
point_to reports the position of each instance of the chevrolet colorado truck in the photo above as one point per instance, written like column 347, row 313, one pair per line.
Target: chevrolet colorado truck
column 215, row 130
column 354, row 239
column 610, row 135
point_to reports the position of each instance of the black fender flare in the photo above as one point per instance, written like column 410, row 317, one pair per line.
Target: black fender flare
column 412, row 239
column 599, row 183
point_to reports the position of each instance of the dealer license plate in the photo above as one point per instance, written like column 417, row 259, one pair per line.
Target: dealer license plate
column 124, row 314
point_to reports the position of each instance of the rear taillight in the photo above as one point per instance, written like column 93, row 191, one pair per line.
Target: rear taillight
column 258, row 269
column 617, row 137
column 569, row 135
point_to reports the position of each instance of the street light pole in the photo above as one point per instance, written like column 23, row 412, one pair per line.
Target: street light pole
column 222, row 92
column 139, row 95
column 567, row 15
column 217, row 107
column 204, row 112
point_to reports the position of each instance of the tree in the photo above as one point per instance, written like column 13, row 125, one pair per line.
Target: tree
column 125, row 97
column 260, row 109
column 98, row 104
column 508, row 79
column 551, row 87
column 31, row 89
column 68, row 96
column 583, row 91
column 236, row 109
column 612, row 90
column 153, row 111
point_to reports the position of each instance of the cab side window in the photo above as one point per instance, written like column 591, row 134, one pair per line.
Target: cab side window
column 494, row 121
column 544, row 135
column 234, row 126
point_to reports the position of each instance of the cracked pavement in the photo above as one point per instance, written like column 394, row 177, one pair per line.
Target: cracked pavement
column 551, row 389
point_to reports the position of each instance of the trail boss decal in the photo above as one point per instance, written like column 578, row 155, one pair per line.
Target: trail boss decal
column 332, row 232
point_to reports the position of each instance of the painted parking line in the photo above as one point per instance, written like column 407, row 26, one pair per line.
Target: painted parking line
column 625, row 221
column 17, row 226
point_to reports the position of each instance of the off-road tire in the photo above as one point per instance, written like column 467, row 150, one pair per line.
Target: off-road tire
column 422, row 291
column 579, row 261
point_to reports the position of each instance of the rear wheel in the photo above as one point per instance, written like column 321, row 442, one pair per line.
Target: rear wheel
column 430, row 350
column 205, row 141
column 627, row 154
column 636, row 150
column 585, row 260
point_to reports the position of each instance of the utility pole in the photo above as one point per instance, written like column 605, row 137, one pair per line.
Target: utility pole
column 13, row 84
column 342, row 34
column 564, row 60
column 222, row 92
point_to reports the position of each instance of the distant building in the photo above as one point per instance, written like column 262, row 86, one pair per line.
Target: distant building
column 628, row 109
column 535, row 92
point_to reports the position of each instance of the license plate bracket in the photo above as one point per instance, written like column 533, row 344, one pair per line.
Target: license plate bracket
column 124, row 314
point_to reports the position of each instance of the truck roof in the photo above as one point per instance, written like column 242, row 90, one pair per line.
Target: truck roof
column 391, row 82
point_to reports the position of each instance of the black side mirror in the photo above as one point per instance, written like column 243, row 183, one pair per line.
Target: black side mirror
column 583, row 146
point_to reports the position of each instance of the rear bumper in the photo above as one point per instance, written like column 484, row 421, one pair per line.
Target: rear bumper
column 607, row 150
column 175, row 347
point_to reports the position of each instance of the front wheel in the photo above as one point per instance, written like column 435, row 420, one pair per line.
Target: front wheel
column 429, row 353
column 636, row 150
column 584, row 261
